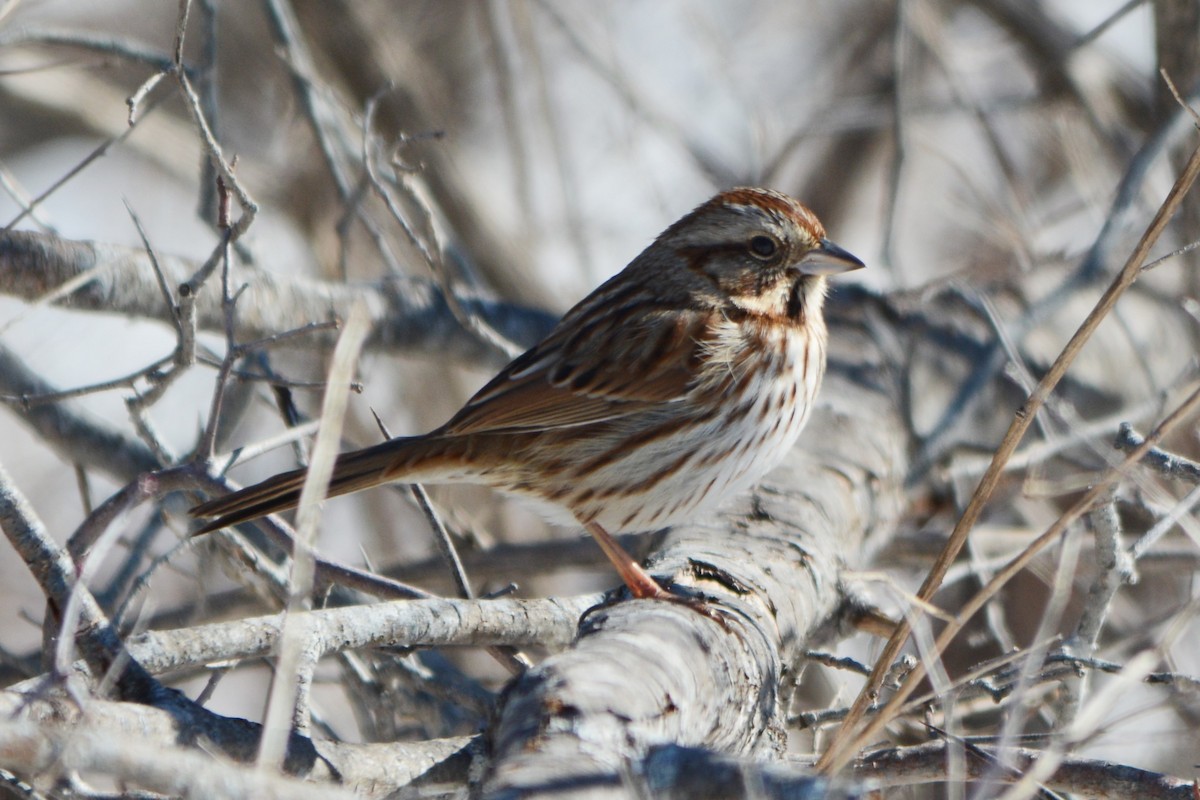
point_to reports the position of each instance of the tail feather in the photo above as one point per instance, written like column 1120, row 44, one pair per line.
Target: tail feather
column 352, row 471
column 273, row 495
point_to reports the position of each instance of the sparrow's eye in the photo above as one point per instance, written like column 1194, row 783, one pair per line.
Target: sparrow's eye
column 763, row 246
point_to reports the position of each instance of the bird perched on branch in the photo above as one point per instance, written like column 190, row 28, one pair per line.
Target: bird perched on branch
column 677, row 383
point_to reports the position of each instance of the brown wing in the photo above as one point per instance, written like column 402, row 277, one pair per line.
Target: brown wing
column 596, row 365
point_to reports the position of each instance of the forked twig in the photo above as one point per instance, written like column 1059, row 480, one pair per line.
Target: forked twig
column 848, row 737
column 985, row 595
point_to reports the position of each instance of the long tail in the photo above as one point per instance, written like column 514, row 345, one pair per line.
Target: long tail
column 358, row 469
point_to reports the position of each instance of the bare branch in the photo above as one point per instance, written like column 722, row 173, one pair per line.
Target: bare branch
column 407, row 314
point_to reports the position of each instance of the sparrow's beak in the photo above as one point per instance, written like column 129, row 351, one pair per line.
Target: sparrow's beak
column 828, row 259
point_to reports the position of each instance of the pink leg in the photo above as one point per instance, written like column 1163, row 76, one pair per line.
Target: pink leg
column 637, row 579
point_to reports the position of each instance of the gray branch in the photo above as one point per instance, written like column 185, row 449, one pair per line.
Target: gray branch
column 407, row 314
column 75, row 434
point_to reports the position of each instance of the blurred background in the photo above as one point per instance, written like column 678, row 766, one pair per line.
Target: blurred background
column 535, row 147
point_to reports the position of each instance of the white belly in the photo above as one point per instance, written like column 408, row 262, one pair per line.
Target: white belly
column 708, row 463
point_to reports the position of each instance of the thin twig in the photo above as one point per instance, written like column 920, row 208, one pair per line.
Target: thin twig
column 844, row 743
column 850, row 742
column 296, row 657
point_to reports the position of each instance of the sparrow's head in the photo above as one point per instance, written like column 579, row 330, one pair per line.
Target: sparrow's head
column 758, row 250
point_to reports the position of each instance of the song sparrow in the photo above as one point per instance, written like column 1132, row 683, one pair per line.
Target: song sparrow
column 678, row 382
